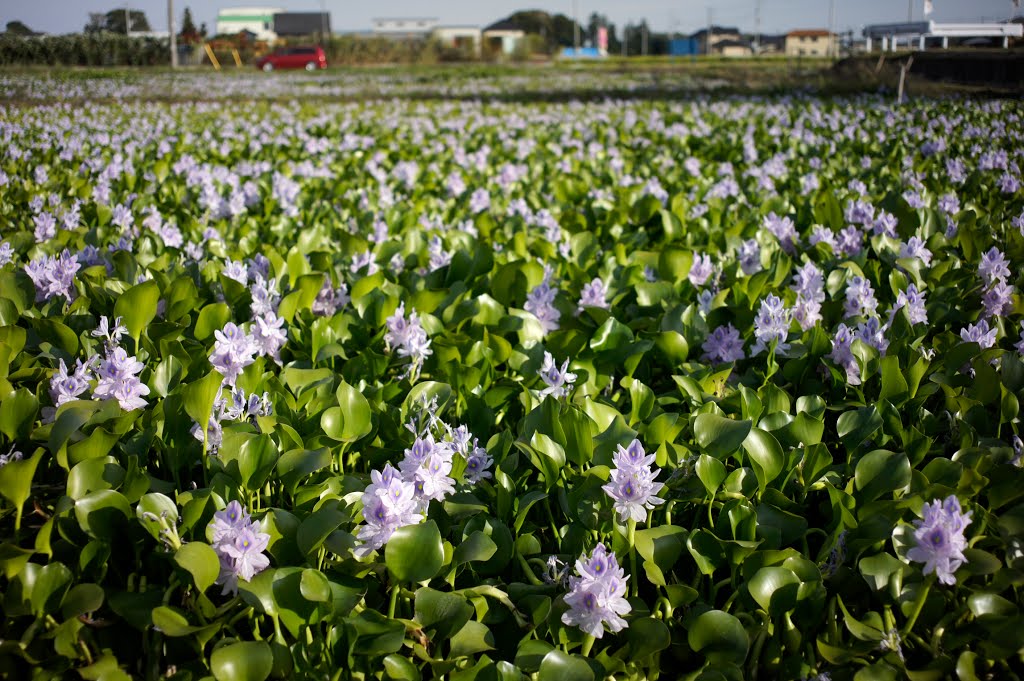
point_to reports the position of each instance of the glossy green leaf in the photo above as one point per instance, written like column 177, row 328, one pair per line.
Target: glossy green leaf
column 720, row 637
column 245, row 661
column 415, row 552
column 720, row 436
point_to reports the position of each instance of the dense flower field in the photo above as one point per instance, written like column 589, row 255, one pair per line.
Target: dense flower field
column 725, row 389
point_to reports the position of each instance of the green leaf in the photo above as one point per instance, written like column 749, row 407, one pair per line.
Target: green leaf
column 103, row 514
column 137, row 307
column 398, row 668
column 17, row 413
column 317, row 527
column 350, row 420
column 441, row 614
column 162, row 507
column 314, row 586
column 720, row 637
column 82, row 599
column 711, row 473
column 881, row 472
column 471, row 639
column 415, row 553
column 647, row 636
column 894, row 385
column 200, row 561
column 720, row 436
column 376, row 634
column 611, row 336
column 16, row 482
column 52, row 582
column 245, row 661
column 200, row 397
column 212, row 318
column 559, row 666
column 766, row 456
column 858, row 425
column 774, row 589
column 478, row 546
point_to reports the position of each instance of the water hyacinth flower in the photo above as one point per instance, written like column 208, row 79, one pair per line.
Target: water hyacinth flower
column 239, row 544
column 593, row 294
column 233, row 350
column 329, row 300
column 860, row 298
column 596, row 597
column 269, row 336
column 6, row 253
column 112, row 336
column 118, row 378
column 632, row 486
column 915, row 248
column 750, row 257
column 66, row 387
column 559, row 381
column 389, row 502
column 540, row 302
column 53, row 276
column 236, row 270
column 940, row 540
column 993, row 267
column 914, row 301
column 701, row 269
column 408, row 338
column 997, row 301
column 771, row 324
column 842, row 353
column 979, row 333
column 723, row 345
column 784, row 230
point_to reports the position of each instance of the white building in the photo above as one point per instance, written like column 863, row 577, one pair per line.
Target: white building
column 257, row 20
column 921, row 33
column 467, row 37
column 419, row 27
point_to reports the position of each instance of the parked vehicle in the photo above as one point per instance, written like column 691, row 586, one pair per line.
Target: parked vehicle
column 309, row 58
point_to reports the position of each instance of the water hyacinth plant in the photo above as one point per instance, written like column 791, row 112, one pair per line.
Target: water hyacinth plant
column 463, row 387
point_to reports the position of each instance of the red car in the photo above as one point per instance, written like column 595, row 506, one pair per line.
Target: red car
column 309, row 58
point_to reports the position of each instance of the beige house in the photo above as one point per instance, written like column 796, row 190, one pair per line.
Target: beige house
column 810, row 43
column 732, row 48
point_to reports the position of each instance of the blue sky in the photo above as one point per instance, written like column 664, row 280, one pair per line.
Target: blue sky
column 64, row 16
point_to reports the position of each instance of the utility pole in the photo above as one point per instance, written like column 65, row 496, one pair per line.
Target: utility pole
column 323, row 21
column 643, row 38
column 757, row 27
column 127, row 22
column 910, row 11
column 576, row 27
column 832, row 51
column 707, row 37
column 172, row 34
column 625, row 40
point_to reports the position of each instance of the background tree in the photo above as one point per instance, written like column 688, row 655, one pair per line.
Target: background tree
column 19, row 28
column 114, row 21
column 189, row 32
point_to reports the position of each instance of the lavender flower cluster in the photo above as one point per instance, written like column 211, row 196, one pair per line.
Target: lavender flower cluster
column 239, row 543
column 399, row 497
column 632, row 486
column 597, row 594
column 940, row 540
column 408, row 339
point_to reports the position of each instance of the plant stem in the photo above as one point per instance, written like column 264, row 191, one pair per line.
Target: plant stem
column 395, row 590
column 631, row 536
column 588, row 643
column 918, row 606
